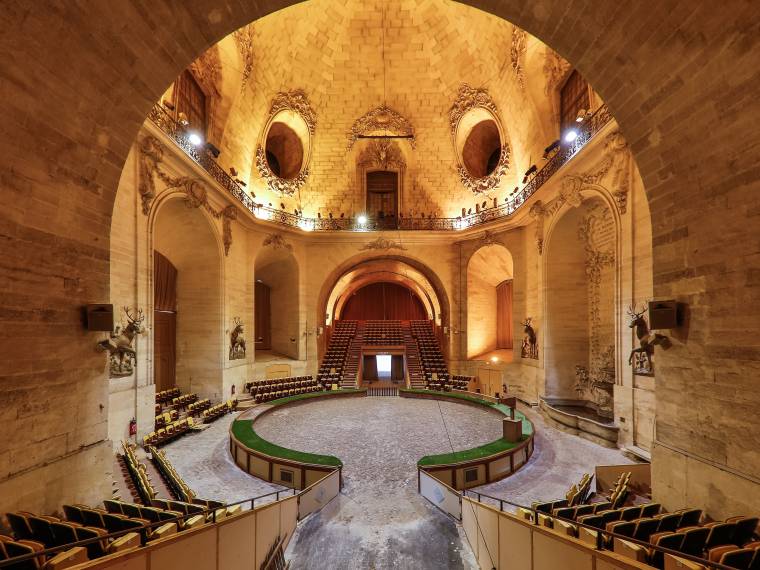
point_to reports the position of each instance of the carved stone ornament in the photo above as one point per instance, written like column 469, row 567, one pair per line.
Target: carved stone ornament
column 486, row 183
column 276, row 241
column 196, row 193
column 382, row 244
column 538, row 212
column 555, row 70
column 382, row 153
column 517, row 55
column 469, row 98
column 283, row 186
column 244, row 40
column 151, row 154
column 122, row 355
column 487, row 238
column 384, row 119
column 295, row 101
column 237, row 341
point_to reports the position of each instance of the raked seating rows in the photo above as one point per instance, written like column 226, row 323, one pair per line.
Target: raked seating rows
column 733, row 542
column 272, row 389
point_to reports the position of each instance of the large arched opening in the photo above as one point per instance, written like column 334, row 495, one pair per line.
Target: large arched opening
column 490, row 274
column 276, row 305
column 187, row 342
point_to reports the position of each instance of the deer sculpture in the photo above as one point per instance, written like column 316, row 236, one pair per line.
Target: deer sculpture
column 119, row 345
column 647, row 340
column 530, row 342
column 237, row 342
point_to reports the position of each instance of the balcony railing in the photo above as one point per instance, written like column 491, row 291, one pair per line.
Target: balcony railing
column 178, row 133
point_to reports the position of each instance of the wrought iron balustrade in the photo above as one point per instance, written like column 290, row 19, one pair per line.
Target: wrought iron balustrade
column 178, row 133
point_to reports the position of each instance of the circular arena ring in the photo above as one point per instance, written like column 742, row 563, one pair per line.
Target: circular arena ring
column 462, row 469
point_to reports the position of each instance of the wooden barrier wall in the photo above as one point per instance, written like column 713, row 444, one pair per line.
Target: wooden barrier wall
column 503, row 541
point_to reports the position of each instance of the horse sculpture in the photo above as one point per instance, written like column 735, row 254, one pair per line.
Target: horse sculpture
column 119, row 345
column 530, row 342
column 237, row 342
column 647, row 340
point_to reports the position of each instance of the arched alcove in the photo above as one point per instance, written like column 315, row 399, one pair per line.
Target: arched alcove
column 581, row 281
column 490, row 272
column 383, row 300
column 276, row 304
column 186, row 239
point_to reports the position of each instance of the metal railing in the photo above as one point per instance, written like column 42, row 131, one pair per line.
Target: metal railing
column 600, row 533
column 180, row 135
column 144, row 530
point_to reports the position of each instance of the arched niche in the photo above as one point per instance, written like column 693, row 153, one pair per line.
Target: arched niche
column 581, row 290
column 186, row 238
column 382, row 299
column 490, row 272
column 278, row 315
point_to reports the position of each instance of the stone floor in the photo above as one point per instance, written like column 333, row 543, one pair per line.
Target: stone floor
column 379, row 520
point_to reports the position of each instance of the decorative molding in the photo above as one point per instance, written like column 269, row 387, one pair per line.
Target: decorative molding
column 538, row 212
column 555, row 70
column 382, row 118
column 490, row 182
column 382, row 153
column 207, row 70
column 196, row 193
column 295, row 101
column 244, row 40
column 276, row 241
column 487, row 238
column 469, row 98
column 382, row 244
column 284, row 186
column 151, row 154
column 517, row 55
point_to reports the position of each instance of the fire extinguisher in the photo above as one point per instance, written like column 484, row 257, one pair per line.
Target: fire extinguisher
column 132, row 427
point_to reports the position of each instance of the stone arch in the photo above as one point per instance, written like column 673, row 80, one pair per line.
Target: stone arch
column 488, row 267
column 196, row 253
column 278, row 268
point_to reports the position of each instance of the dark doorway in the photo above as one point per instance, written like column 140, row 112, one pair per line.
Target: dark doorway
column 164, row 322
column 262, row 316
column 382, row 195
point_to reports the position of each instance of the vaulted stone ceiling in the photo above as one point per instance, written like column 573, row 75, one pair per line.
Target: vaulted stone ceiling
column 350, row 57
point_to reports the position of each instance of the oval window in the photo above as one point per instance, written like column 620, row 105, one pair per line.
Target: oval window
column 482, row 148
column 284, row 151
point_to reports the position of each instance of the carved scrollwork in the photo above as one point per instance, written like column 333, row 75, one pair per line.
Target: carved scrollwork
column 276, row 241
column 382, row 153
column 517, row 55
column 538, row 212
column 382, row 243
column 151, row 154
column 382, row 118
column 284, row 186
column 295, row 101
column 469, row 98
column 244, row 40
column 489, row 182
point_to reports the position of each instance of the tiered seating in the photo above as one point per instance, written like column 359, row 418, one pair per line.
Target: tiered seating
column 383, row 333
column 169, row 432
column 217, row 411
column 274, row 388
column 197, row 408
column 166, row 418
column 138, row 473
column 334, row 360
column 183, row 401
column 459, row 382
column 166, row 395
column 173, row 479
column 433, row 364
column 733, row 542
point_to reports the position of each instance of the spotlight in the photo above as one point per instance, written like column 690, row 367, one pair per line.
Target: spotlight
column 581, row 116
column 168, row 104
column 362, row 219
column 195, row 139
column 306, row 225
column 571, row 135
column 528, row 172
column 233, row 172
column 494, row 359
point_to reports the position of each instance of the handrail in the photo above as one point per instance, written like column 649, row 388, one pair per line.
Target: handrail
column 600, row 532
column 143, row 530
column 586, row 131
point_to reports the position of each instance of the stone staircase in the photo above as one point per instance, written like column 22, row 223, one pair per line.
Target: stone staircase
column 351, row 369
column 413, row 362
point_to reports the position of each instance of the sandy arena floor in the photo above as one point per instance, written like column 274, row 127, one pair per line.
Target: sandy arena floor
column 379, row 520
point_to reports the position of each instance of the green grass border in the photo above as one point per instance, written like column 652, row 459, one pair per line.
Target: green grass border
column 492, row 448
column 247, row 436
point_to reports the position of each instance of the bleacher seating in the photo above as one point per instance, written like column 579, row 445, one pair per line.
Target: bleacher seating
column 433, row 364
column 388, row 333
column 731, row 542
column 166, row 395
column 274, row 388
column 138, row 473
column 334, row 361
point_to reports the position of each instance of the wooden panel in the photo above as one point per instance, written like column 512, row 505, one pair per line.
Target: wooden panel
column 268, row 528
column 237, row 544
column 165, row 349
column 550, row 553
column 196, row 550
column 488, row 537
column 515, row 546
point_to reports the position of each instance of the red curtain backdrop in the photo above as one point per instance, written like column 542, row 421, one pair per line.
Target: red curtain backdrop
column 164, row 322
column 262, row 322
column 504, row 314
column 384, row 302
